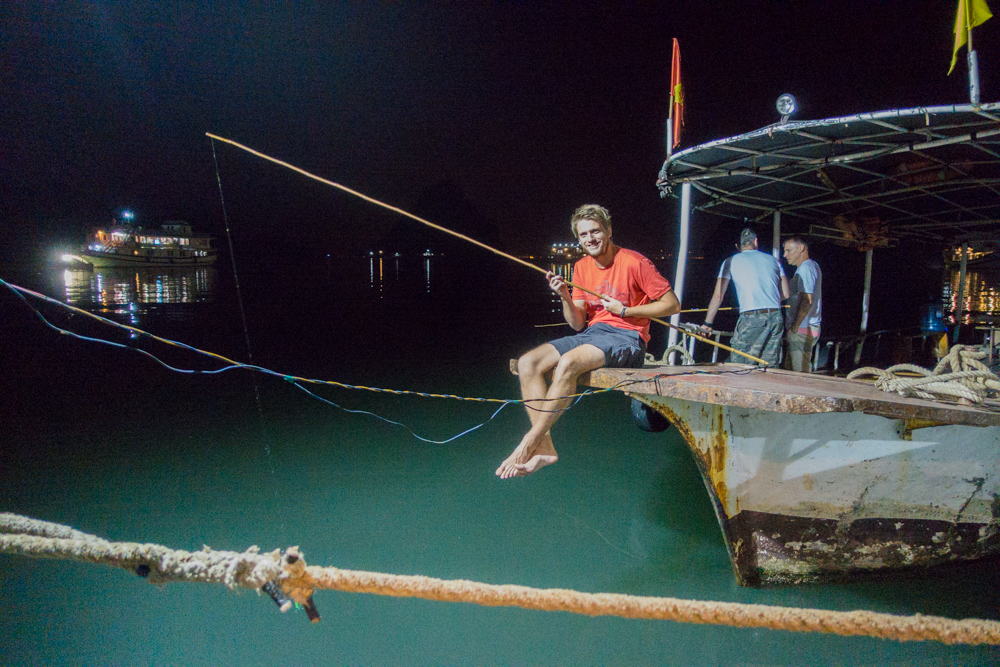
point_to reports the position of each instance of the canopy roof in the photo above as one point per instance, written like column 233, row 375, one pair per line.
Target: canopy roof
column 930, row 173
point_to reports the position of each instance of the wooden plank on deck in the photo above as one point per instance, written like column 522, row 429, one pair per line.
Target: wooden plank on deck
column 778, row 390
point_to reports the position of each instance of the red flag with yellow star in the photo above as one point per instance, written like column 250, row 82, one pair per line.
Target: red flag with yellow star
column 677, row 97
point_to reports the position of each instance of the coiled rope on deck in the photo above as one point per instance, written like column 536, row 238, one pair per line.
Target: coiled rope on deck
column 251, row 569
column 686, row 358
column 961, row 374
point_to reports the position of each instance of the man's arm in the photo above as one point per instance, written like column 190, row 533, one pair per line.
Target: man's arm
column 805, row 305
column 665, row 306
column 721, row 285
column 785, row 292
column 574, row 311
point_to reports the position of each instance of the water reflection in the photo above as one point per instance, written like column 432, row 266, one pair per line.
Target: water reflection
column 564, row 269
column 373, row 263
column 379, row 261
column 981, row 300
column 132, row 291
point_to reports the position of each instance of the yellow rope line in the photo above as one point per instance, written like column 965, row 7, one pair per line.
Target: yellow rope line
column 231, row 362
column 251, row 569
column 407, row 214
column 297, row 378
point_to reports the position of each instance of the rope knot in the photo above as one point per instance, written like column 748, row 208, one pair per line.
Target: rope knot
column 296, row 582
column 960, row 375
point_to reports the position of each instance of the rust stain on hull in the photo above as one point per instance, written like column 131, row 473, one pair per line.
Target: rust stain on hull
column 711, row 463
column 783, row 550
column 718, row 454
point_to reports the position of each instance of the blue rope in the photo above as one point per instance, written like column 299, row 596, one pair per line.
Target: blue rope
column 395, row 423
column 138, row 334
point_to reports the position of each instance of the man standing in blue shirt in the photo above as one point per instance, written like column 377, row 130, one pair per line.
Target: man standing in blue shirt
column 804, row 305
column 760, row 286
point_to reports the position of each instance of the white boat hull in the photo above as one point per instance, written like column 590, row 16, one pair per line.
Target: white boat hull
column 102, row 260
column 835, row 496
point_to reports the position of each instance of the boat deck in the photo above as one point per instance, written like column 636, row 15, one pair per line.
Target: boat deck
column 778, row 390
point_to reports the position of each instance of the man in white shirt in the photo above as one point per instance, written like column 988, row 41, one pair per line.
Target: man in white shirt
column 760, row 286
column 802, row 325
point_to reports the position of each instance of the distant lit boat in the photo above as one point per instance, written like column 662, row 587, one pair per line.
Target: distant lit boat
column 173, row 244
column 568, row 251
column 980, row 254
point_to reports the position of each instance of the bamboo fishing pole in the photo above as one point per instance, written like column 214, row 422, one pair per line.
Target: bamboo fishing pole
column 407, row 214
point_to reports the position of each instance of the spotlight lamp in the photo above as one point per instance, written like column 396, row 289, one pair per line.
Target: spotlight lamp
column 786, row 106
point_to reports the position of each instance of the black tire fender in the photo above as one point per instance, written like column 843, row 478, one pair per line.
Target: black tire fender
column 648, row 419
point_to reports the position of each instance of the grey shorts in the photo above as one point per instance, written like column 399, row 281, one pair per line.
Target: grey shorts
column 622, row 348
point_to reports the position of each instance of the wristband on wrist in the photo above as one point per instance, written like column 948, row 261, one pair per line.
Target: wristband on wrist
column 624, row 308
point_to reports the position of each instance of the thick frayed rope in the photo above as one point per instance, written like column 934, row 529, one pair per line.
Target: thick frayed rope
column 252, row 569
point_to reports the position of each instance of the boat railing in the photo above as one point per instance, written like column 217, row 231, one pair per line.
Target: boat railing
column 112, row 246
column 837, row 354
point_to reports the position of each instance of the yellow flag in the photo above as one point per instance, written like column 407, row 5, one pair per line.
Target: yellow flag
column 970, row 14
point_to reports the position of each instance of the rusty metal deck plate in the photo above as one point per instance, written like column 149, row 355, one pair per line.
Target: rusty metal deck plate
column 777, row 390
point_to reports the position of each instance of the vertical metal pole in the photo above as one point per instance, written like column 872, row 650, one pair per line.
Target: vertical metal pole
column 973, row 73
column 994, row 338
column 960, row 302
column 776, row 236
column 973, row 62
column 670, row 128
column 682, row 252
column 864, row 305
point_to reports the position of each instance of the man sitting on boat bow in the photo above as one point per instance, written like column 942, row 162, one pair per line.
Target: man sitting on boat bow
column 617, row 330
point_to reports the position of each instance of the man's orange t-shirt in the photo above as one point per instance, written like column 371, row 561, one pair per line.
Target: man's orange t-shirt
column 631, row 278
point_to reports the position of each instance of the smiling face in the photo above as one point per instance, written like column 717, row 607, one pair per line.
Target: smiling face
column 593, row 238
column 795, row 253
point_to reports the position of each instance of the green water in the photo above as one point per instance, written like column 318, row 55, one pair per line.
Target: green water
column 113, row 444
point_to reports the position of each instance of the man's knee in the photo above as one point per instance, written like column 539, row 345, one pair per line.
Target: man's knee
column 538, row 361
column 578, row 361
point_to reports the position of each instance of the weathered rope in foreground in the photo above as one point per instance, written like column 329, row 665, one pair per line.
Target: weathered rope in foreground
column 252, row 569
column 959, row 375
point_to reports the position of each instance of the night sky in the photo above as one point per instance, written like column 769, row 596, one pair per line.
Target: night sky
column 521, row 111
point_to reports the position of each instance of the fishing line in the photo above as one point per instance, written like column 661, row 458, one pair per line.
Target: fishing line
column 580, row 522
column 473, row 241
column 246, row 333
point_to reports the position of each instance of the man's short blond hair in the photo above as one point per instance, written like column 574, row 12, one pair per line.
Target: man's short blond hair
column 598, row 214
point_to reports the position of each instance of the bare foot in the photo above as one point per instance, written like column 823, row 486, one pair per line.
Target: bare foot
column 507, row 469
column 528, row 457
column 544, row 454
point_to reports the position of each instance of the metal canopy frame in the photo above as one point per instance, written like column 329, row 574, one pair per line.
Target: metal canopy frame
column 928, row 173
